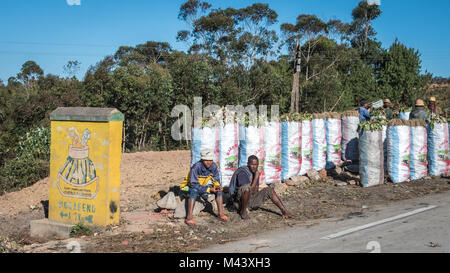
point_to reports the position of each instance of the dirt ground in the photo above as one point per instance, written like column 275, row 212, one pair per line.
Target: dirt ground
column 147, row 176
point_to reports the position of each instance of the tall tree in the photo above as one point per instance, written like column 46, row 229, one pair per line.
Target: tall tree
column 29, row 73
column 400, row 77
column 312, row 33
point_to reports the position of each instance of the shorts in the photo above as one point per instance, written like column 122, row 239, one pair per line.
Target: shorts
column 257, row 199
column 193, row 194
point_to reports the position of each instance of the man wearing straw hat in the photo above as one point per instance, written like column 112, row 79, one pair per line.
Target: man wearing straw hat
column 202, row 180
column 432, row 107
column 387, row 109
column 419, row 111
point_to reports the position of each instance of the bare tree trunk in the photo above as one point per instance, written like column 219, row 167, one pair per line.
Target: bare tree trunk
column 294, row 93
column 295, row 84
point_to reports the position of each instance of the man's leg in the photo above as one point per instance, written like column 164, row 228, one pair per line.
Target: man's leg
column 193, row 194
column 277, row 201
column 245, row 196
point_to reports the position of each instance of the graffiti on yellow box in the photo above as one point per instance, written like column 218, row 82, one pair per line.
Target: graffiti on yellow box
column 77, row 178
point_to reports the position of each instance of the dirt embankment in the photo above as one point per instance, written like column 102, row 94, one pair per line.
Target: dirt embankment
column 144, row 228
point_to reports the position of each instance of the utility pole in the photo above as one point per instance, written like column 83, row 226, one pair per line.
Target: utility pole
column 295, row 84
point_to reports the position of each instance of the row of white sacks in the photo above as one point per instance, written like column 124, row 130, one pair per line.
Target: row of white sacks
column 404, row 153
column 284, row 149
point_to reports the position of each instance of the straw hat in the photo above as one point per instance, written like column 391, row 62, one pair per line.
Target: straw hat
column 419, row 102
column 432, row 99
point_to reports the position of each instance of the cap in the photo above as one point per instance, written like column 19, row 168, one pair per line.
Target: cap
column 419, row 102
column 207, row 154
column 387, row 101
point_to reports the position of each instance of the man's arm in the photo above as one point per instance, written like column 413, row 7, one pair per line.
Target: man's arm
column 254, row 184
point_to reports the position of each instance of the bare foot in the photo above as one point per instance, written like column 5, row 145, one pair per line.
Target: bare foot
column 287, row 215
column 244, row 215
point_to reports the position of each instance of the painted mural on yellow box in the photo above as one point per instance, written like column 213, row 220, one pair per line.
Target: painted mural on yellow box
column 78, row 177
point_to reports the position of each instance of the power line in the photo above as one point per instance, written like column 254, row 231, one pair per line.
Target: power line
column 55, row 44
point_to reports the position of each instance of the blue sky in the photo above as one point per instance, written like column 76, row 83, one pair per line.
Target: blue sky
column 53, row 32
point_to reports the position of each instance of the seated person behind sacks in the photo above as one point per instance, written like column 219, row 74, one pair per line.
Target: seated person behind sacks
column 387, row 109
column 419, row 111
column 203, row 179
column 244, row 189
column 364, row 114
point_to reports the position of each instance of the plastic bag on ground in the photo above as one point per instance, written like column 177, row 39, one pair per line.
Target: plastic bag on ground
column 438, row 149
column 229, row 146
column 307, row 147
column 252, row 143
column 334, row 137
column 319, row 144
column 371, row 158
column 272, row 147
column 350, row 138
column 291, row 142
column 398, row 152
column 418, row 158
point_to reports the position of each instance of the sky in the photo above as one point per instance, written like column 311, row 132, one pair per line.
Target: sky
column 53, row 32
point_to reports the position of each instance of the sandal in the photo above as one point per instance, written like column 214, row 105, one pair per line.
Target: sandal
column 224, row 218
column 190, row 222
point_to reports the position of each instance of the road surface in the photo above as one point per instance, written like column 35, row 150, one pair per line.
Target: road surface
column 410, row 226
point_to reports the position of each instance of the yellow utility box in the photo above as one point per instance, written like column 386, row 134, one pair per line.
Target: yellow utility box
column 85, row 156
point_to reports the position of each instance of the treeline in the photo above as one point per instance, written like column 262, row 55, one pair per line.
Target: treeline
column 235, row 56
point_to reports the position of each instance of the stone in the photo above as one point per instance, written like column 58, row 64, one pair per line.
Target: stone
column 280, row 188
column 46, row 228
column 427, row 178
column 168, row 201
column 181, row 209
column 289, row 182
column 300, row 180
column 313, row 175
column 340, row 184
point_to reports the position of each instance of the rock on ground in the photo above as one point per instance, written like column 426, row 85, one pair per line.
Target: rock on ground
column 313, row 175
column 182, row 207
column 168, row 201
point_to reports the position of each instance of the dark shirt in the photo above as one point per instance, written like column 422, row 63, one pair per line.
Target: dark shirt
column 389, row 113
column 419, row 113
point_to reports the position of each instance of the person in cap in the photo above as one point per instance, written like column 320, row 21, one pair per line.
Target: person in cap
column 245, row 193
column 419, row 111
column 203, row 179
column 387, row 109
column 364, row 114
column 432, row 107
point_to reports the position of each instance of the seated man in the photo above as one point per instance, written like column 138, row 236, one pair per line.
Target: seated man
column 203, row 179
column 244, row 188
column 419, row 111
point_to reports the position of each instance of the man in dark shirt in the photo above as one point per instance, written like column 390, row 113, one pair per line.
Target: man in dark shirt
column 419, row 111
column 244, row 188
column 387, row 109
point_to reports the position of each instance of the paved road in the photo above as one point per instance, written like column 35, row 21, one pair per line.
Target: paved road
column 416, row 225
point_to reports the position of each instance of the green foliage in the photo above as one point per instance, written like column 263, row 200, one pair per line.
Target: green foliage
column 79, row 230
column 372, row 125
column 31, row 163
column 234, row 58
